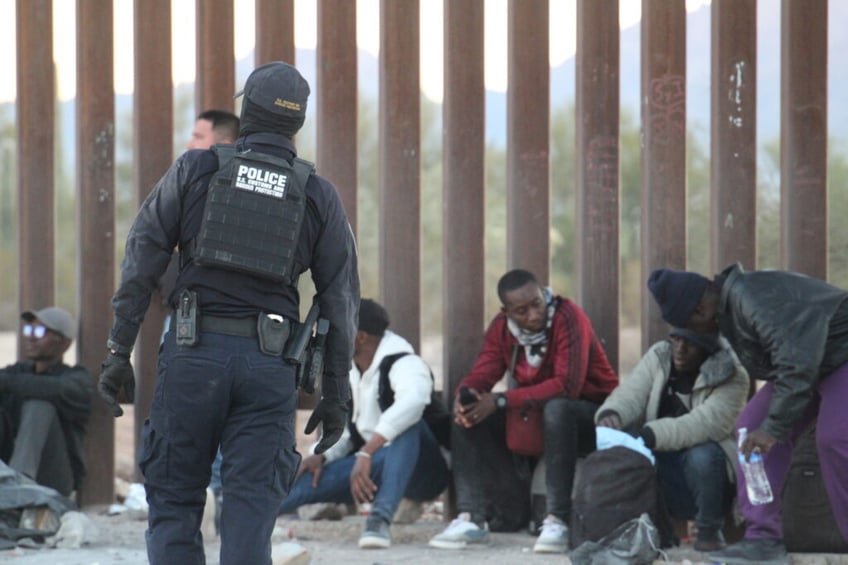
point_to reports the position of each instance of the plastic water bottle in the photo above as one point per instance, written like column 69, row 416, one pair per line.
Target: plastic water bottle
column 756, row 481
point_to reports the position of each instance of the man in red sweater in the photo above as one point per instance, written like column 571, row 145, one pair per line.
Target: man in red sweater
column 546, row 345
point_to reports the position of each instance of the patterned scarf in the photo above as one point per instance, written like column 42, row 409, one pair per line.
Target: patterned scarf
column 535, row 343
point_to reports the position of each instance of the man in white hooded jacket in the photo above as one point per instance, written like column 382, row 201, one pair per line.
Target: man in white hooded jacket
column 384, row 454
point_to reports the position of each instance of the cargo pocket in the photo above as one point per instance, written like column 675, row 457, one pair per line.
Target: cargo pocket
column 152, row 459
column 285, row 468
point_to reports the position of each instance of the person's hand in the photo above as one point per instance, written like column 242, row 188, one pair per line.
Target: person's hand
column 471, row 414
column 611, row 420
column 362, row 488
column 757, row 440
column 459, row 409
column 333, row 415
column 313, row 464
column 116, row 374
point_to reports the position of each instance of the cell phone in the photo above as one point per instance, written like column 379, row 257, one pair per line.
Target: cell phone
column 466, row 396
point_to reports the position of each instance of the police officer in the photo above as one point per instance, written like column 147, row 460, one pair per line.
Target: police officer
column 221, row 377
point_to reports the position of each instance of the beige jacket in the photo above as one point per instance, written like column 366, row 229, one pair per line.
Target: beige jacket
column 719, row 394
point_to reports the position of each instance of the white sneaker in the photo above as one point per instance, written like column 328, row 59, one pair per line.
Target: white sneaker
column 460, row 533
column 554, row 536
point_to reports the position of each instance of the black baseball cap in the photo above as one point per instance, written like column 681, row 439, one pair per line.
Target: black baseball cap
column 278, row 88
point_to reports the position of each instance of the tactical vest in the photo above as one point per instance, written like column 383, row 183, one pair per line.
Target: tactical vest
column 253, row 214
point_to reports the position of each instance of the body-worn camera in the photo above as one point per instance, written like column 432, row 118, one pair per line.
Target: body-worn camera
column 186, row 326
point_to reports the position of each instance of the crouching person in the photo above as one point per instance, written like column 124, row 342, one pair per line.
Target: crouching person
column 562, row 375
column 683, row 399
column 388, row 451
column 45, row 404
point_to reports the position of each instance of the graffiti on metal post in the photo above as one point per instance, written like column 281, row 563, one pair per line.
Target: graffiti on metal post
column 602, row 181
column 602, row 163
column 668, row 108
column 737, row 81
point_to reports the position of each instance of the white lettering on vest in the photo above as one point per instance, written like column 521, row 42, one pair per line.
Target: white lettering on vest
column 263, row 181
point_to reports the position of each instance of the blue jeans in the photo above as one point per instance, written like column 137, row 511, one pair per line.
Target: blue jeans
column 215, row 482
column 410, row 466
column 223, row 391
column 694, row 484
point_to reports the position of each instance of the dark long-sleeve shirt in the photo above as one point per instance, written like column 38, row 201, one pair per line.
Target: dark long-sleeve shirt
column 171, row 216
column 69, row 389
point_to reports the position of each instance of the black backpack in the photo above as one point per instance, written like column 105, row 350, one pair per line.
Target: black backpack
column 435, row 414
column 616, row 485
column 808, row 524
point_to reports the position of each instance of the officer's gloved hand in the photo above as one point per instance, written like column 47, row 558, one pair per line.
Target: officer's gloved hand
column 333, row 415
column 116, row 373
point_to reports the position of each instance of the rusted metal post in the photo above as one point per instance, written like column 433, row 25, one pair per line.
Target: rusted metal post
column 597, row 191
column 803, row 136
column 400, row 167
column 153, row 122
column 528, row 145
column 35, row 105
column 463, row 158
column 215, row 82
column 663, row 149
column 96, row 190
column 733, row 166
column 274, row 31
column 337, row 103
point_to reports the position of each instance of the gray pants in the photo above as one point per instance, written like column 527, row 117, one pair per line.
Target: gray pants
column 40, row 451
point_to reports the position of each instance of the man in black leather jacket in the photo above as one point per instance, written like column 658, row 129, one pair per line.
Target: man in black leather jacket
column 228, row 388
column 792, row 331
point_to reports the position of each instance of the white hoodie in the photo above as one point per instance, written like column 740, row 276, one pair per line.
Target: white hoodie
column 411, row 382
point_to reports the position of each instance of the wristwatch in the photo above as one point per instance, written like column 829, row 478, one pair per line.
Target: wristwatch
column 500, row 400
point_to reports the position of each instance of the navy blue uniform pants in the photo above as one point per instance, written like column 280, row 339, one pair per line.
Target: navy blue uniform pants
column 223, row 390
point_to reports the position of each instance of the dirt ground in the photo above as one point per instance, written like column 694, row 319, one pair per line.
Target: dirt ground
column 121, row 542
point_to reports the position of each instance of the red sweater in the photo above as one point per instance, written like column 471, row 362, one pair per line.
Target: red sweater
column 575, row 365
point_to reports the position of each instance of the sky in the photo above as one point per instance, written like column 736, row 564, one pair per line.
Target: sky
column 562, row 39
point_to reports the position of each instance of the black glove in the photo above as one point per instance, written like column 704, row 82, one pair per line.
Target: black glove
column 333, row 414
column 116, row 373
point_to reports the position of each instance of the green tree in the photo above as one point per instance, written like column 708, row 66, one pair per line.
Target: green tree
column 768, row 206
column 563, row 205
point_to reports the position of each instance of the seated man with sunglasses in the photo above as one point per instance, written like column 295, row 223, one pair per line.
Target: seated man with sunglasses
column 45, row 404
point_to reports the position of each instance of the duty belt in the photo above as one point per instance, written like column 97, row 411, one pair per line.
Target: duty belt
column 243, row 327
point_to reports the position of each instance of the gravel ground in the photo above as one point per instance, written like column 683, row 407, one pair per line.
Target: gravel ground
column 121, row 542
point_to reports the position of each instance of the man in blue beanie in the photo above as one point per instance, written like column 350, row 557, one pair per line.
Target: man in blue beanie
column 792, row 331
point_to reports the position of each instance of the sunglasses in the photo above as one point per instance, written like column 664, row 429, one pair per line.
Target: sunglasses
column 30, row 330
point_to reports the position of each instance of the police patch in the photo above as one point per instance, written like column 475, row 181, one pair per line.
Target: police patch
column 261, row 180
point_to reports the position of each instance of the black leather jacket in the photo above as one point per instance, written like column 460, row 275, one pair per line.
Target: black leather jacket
column 780, row 325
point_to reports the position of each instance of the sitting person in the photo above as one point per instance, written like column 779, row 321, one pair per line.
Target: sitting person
column 45, row 404
column 384, row 454
column 683, row 398
column 790, row 330
column 548, row 345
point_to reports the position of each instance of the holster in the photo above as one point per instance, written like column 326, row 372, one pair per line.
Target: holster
column 273, row 332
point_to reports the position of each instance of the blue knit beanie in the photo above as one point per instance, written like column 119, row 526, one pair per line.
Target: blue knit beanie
column 677, row 293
